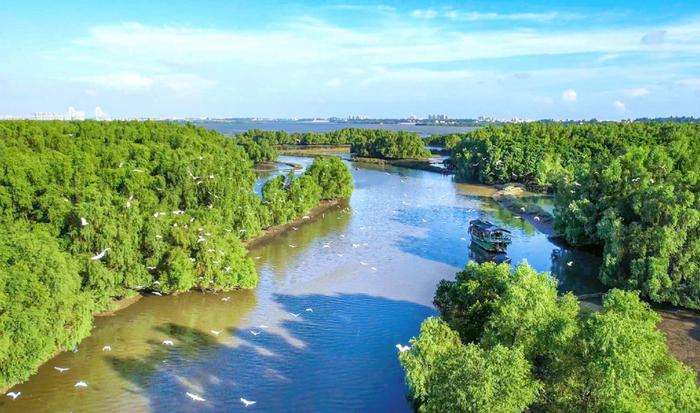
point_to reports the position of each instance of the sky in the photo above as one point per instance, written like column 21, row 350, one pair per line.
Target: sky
column 531, row 59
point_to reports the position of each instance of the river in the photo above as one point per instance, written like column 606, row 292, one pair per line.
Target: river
column 365, row 272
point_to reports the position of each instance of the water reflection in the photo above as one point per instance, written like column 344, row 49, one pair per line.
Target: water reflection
column 279, row 373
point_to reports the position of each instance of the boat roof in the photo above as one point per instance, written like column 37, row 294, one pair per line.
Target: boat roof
column 487, row 226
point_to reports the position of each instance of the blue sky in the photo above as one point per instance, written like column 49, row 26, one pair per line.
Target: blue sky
column 531, row 59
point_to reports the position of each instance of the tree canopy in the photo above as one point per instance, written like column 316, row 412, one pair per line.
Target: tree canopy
column 530, row 349
column 632, row 188
column 93, row 211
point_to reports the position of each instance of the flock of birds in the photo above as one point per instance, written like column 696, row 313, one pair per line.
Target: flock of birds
column 254, row 332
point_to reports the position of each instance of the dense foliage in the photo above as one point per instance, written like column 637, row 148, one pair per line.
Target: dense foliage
column 92, row 211
column 528, row 348
column 632, row 188
column 375, row 143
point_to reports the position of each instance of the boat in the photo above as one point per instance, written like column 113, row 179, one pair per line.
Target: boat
column 489, row 236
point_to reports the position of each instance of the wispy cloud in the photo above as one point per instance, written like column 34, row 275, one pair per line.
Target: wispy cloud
column 424, row 13
column 473, row 16
column 569, row 96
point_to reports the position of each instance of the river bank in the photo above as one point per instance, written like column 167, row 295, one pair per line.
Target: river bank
column 681, row 327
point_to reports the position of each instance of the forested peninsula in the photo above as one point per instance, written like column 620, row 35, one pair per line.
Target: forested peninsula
column 369, row 143
column 96, row 211
column 631, row 188
column 507, row 342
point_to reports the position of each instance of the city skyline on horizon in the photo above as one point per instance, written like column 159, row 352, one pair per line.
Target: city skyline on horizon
column 504, row 59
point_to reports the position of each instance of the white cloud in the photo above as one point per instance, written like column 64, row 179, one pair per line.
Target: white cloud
column 533, row 17
column 637, row 92
column 424, row 13
column 619, row 106
column 569, row 96
column 654, row 37
column 122, row 81
column 693, row 83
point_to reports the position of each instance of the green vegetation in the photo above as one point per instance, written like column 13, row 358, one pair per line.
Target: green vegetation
column 632, row 188
column 93, row 211
column 506, row 342
column 375, row 143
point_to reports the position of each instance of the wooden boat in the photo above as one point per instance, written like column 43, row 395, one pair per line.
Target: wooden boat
column 489, row 236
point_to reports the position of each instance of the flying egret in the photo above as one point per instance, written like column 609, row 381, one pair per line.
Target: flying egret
column 216, row 332
column 195, row 397
column 292, row 246
column 262, row 326
column 83, row 222
column 309, row 310
column 225, row 298
column 107, row 348
column 254, row 332
column 295, row 315
column 168, row 343
column 247, row 402
column 570, row 263
column 61, row 369
column 100, row 255
column 522, row 209
column 363, row 263
column 80, row 384
column 13, row 394
column 537, row 218
column 403, row 349
column 326, row 245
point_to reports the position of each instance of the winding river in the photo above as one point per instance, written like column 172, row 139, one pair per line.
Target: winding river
column 318, row 334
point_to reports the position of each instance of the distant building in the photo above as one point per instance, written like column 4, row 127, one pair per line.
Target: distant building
column 440, row 117
column 75, row 114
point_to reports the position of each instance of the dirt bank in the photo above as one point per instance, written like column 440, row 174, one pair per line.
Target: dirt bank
column 509, row 196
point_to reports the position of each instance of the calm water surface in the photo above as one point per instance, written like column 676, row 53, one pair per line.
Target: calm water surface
column 367, row 273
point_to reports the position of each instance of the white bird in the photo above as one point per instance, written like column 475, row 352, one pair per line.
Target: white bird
column 292, row 246
column 201, row 239
column 195, row 397
column 80, row 384
column 83, row 222
column 107, row 348
column 356, row 245
column 225, row 298
column 13, row 394
column 306, row 217
column 570, row 263
column 363, row 263
column 100, row 255
column 340, row 255
column 168, row 343
column 522, row 209
column 157, row 293
column 159, row 237
column 309, row 310
column 537, row 218
column 326, row 245
column 216, row 332
column 295, row 228
column 258, row 257
column 61, row 369
column 151, row 268
column 403, row 349
column 156, row 282
column 463, row 239
column 138, row 170
column 178, row 212
column 255, row 333
column 128, row 201
column 247, row 402
column 295, row 315
column 262, row 326
column 374, row 268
